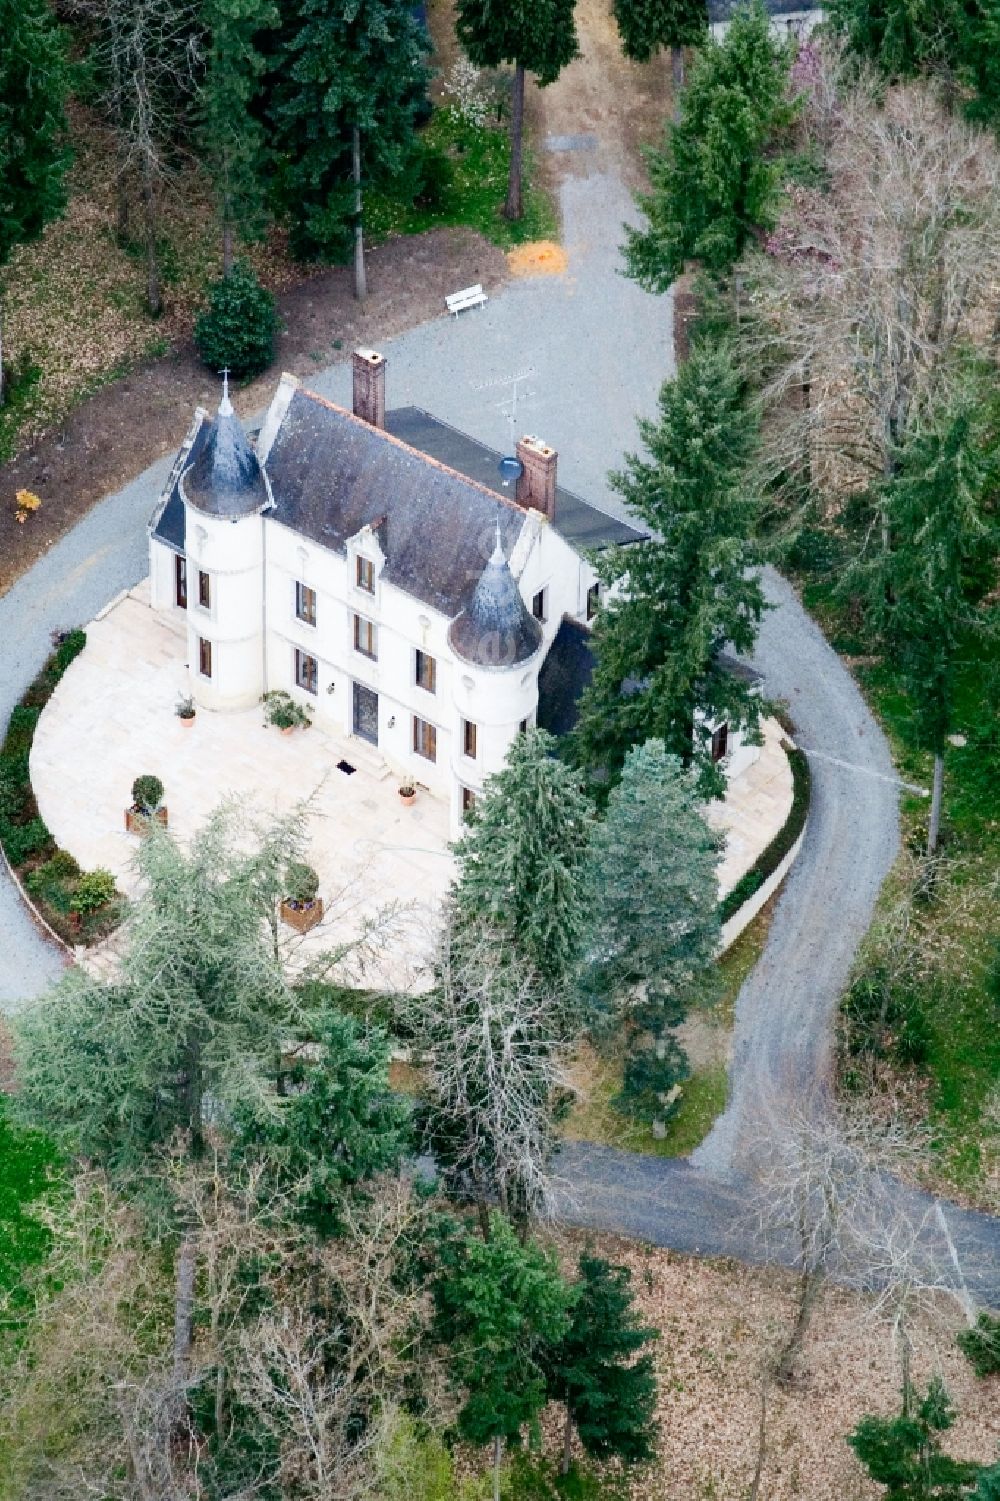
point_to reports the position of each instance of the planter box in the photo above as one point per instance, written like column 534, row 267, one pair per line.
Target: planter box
column 302, row 918
column 138, row 823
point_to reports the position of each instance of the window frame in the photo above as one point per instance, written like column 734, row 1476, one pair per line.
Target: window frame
column 372, row 629
column 719, row 744
column 420, row 656
column 305, row 603
column 204, row 655
column 180, row 581
column 363, row 565
column 467, row 726
column 306, row 680
column 204, row 590
column 593, row 599
column 469, row 798
column 540, row 605
column 424, row 739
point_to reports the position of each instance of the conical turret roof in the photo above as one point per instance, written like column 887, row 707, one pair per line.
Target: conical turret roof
column 225, row 479
column 495, row 629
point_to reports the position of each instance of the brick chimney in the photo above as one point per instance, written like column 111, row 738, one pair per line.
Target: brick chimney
column 536, row 486
column 369, row 386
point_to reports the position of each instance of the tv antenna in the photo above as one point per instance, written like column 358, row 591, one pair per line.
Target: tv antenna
column 508, row 407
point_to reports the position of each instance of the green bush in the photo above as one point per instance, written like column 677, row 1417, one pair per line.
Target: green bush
column 981, row 1345
column 237, row 329
column 21, row 841
column 69, row 648
column 282, row 710
column 147, row 794
column 94, row 890
column 301, row 883
column 770, row 858
column 882, row 1016
column 648, row 1080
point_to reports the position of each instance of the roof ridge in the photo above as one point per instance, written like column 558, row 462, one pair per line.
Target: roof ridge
column 333, row 406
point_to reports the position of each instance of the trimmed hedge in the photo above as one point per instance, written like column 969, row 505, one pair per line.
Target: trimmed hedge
column 52, row 876
column 771, row 857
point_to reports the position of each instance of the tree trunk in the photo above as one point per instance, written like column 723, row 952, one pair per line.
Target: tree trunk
column 567, row 1453
column 360, row 280
column 513, row 208
column 183, row 1310
column 484, row 1219
column 153, row 298
column 677, row 74
column 934, row 830
column 497, row 1457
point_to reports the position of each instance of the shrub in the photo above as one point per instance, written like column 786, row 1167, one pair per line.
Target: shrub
column 648, row 1080
column 771, row 857
column 281, row 710
column 94, row 890
column 147, row 794
column 70, row 646
column 21, row 841
column 62, row 866
column 981, row 1345
column 20, row 730
column 237, row 329
column 301, row 883
column 435, row 177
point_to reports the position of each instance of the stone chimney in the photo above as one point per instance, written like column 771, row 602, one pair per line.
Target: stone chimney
column 536, row 486
column 369, row 386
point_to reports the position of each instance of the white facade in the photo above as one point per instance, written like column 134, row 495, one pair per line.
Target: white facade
column 267, row 607
column 785, row 24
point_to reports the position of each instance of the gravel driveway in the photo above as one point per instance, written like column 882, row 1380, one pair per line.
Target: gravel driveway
column 596, row 349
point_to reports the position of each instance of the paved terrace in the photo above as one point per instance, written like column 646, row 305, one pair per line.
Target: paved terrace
column 112, row 718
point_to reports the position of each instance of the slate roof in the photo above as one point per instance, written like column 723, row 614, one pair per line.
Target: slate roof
column 224, row 478
column 583, row 525
column 565, row 673
column 495, row 629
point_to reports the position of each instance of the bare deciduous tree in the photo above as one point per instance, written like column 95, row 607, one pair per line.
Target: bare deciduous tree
column 872, row 280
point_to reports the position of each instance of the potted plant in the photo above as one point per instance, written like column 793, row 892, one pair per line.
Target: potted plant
column 185, row 711
column 407, row 794
column 301, row 908
column 282, row 710
column 147, row 804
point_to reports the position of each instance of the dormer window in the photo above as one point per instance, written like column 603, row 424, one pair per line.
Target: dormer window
column 365, row 574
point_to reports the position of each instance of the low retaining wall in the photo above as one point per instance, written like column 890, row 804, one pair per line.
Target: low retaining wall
column 742, row 919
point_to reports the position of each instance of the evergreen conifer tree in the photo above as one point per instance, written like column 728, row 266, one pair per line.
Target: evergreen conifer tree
column 712, row 184
column 688, row 591
column 903, row 1454
column 537, row 36
column 647, row 25
column 609, row 1395
column 500, row 1306
column 34, row 80
column 522, row 857
column 346, row 83
column 232, row 134
column 930, row 589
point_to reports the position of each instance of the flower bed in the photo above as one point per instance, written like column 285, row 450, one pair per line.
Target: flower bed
column 772, row 855
column 79, row 906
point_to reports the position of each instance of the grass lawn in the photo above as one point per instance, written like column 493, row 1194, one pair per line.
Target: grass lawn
column 594, row 1117
column 958, row 923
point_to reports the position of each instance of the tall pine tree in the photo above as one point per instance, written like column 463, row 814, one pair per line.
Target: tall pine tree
column 682, row 596
column 647, row 25
column 346, row 84
column 609, row 1395
column 232, row 135
column 712, row 184
column 522, row 858
column 33, row 147
column 537, row 36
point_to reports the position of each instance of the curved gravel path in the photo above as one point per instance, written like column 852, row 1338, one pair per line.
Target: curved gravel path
column 597, row 348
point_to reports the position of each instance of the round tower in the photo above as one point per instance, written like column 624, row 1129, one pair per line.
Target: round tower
column 225, row 490
column 496, row 642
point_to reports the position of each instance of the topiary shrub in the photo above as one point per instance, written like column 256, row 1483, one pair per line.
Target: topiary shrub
column 147, row 794
column 236, row 331
column 301, row 883
column 94, row 890
column 981, row 1345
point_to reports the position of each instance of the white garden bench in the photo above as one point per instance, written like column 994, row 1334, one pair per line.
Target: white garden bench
column 457, row 302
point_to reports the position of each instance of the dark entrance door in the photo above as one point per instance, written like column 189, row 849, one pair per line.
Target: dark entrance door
column 366, row 713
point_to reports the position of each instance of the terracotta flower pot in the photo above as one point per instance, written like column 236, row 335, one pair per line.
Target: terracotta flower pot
column 286, row 729
column 407, row 798
column 186, row 721
column 138, row 823
column 302, row 916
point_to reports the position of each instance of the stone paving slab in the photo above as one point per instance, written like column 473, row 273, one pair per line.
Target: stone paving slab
column 112, row 718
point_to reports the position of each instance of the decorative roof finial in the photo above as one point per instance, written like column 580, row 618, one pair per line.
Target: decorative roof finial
column 225, row 405
column 498, row 556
